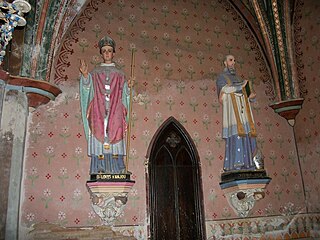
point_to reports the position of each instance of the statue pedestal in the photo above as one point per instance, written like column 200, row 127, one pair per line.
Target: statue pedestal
column 243, row 188
column 109, row 195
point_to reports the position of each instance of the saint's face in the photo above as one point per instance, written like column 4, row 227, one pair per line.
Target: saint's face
column 107, row 54
column 230, row 62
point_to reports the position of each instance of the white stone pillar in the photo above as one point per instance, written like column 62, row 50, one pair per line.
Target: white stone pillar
column 12, row 133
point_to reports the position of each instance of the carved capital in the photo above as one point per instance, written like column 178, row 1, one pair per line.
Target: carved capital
column 38, row 92
column 288, row 109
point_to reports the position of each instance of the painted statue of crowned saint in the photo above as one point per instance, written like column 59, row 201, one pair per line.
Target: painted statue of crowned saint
column 106, row 99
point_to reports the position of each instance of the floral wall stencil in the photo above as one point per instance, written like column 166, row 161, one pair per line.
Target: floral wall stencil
column 307, row 128
column 179, row 49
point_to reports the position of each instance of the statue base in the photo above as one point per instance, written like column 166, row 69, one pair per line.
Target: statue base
column 243, row 188
column 109, row 195
column 240, row 177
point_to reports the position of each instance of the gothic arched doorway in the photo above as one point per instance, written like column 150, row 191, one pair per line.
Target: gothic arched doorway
column 175, row 191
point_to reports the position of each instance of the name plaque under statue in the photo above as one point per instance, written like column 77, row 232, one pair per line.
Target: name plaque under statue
column 110, row 177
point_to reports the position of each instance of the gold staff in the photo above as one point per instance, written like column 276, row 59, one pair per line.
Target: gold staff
column 130, row 109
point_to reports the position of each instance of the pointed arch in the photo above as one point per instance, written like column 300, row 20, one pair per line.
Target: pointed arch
column 174, row 184
column 172, row 123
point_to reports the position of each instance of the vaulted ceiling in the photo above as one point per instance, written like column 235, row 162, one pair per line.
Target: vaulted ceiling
column 270, row 21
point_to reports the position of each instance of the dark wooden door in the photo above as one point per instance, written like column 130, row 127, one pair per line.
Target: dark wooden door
column 175, row 194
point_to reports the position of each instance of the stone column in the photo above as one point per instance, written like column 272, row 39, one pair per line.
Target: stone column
column 16, row 96
column 14, row 115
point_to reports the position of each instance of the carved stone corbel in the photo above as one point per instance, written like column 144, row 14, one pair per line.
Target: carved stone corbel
column 108, row 199
column 109, row 206
column 244, row 188
column 242, row 201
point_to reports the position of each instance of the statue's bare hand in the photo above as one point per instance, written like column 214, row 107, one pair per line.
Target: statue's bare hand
column 253, row 95
column 83, row 68
column 244, row 83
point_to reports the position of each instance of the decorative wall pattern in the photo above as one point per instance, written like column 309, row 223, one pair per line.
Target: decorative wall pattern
column 307, row 128
column 277, row 227
column 179, row 48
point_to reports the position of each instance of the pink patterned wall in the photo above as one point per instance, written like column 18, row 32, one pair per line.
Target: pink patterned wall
column 179, row 50
column 307, row 129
